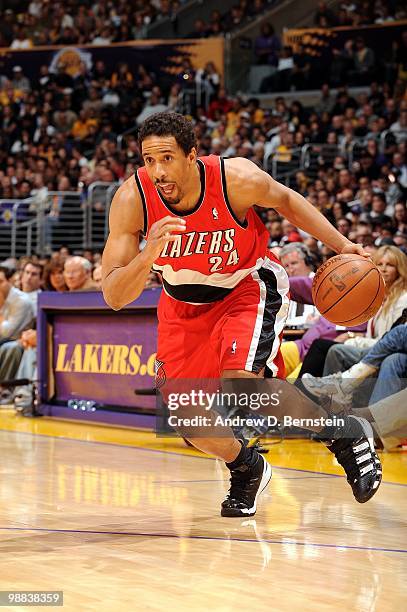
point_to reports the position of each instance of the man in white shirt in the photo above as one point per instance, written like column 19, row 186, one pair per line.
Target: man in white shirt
column 18, row 357
column 16, row 311
column 16, row 314
column 31, row 276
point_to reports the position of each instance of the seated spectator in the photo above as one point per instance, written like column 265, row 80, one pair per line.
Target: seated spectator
column 343, row 225
column 53, row 276
column 20, row 81
column 97, row 277
column 324, row 17
column 208, row 78
column 290, row 234
column 122, row 76
column 80, row 127
column 200, row 29
column 21, row 39
column 301, row 72
column 379, row 207
column 234, row 18
column 267, row 46
column 16, row 314
column 77, row 274
column 326, row 101
column 276, row 233
column 23, row 352
column 400, row 217
column 399, row 168
column 387, row 358
column 364, row 63
column 31, row 280
column 297, row 260
column 16, row 308
column 281, row 80
column 154, row 106
column 283, row 152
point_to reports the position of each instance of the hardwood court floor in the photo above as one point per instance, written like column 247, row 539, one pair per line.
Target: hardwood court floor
column 119, row 520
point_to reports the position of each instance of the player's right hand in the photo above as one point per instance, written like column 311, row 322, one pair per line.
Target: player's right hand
column 163, row 231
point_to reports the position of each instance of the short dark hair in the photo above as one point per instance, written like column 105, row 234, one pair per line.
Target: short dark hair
column 8, row 272
column 35, row 264
column 380, row 195
column 169, row 124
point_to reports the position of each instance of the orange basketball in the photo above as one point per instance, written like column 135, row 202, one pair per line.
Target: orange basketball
column 348, row 290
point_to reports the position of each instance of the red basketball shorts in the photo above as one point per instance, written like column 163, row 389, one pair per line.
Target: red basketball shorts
column 240, row 332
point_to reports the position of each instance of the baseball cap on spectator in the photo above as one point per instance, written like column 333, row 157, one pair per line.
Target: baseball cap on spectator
column 17, row 69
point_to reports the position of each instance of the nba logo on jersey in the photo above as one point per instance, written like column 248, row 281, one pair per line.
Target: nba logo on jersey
column 234, row 347
column 160, row 377
column 215, row 214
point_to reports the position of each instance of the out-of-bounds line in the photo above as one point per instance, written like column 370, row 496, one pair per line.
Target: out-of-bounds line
column 202, row 537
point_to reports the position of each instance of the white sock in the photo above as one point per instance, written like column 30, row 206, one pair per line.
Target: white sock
column 353, row 377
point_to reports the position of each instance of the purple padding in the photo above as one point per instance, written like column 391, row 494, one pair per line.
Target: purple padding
column 94, row 353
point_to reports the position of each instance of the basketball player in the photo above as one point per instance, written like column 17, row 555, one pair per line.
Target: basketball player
column 225, row 296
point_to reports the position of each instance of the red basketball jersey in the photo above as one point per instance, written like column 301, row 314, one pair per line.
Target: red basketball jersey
column 216, row 251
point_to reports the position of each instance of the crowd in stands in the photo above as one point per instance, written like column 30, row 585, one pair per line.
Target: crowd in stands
column 41, row 22
column 56, row 139
column 25, row 24
column 359, row 13
column 101, row 22
column 349, row 61
column 354, row 63
column 63, row 138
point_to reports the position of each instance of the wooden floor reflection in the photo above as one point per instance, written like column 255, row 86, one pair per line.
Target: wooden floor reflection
column 130, row 528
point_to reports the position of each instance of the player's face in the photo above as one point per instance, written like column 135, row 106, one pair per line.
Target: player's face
column 168, row 167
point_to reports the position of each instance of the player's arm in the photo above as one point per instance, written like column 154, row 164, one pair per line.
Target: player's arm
column 124, row 267
column 248, row 185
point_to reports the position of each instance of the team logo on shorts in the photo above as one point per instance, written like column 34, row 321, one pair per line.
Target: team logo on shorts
column 215, row 214
column 160, row 376
column 234, row 347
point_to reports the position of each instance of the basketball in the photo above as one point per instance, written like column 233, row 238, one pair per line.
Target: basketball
column 348, row 290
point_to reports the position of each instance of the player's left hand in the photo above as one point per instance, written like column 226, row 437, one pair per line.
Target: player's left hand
column 357, row 249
